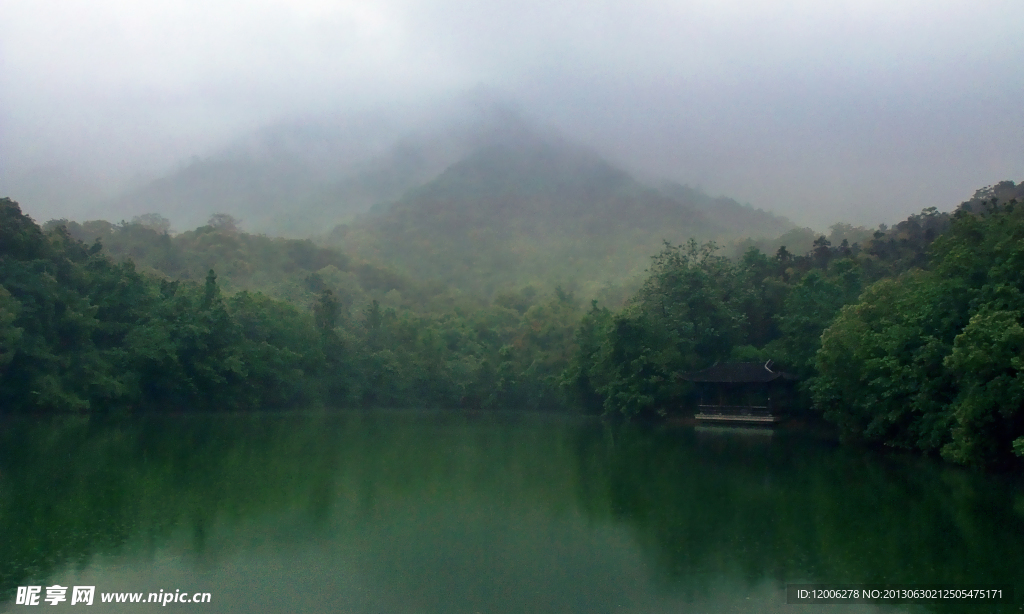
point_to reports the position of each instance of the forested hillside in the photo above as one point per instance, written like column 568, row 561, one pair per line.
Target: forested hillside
column 912, row 338
column 933, row 359
column 733, row 218
column 289, row 269
column 303, row 177
column 292, row 181
column 542, row 212
column 484, row 202
column 82, row 332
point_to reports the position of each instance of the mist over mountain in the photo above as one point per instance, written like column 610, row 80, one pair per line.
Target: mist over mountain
column 733, row 218
column 540, row 209
column 300, row 177
column 260, row 177
column 473, row 193
column 296, row 178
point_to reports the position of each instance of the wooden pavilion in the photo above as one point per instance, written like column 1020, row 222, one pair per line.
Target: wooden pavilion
column 741, row 393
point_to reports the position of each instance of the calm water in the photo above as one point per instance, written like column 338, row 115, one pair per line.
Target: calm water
column 448, row 513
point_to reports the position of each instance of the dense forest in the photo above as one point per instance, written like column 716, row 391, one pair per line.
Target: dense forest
column 908, row 336
column 83, row 331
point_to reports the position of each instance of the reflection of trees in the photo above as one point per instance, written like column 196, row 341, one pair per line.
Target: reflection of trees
column 703, row 506
column 778, row 508
column 74, row 488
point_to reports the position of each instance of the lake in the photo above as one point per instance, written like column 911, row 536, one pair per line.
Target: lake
column 448, row 512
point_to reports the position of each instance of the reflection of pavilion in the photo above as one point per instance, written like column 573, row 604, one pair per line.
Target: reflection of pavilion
column 741, row 393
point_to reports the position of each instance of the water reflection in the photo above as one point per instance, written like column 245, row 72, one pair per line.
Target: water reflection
column 441, row 512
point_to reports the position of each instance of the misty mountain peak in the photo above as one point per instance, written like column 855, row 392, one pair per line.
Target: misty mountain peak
column 531, row 167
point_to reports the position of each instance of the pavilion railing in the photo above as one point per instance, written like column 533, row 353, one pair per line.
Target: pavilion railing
column 735, row 410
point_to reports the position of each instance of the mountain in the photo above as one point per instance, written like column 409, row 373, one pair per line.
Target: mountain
column 261, row 176
column 407, row 164
column 537, row 210
column 476, row 196
column 734, row 218
column 297, row 178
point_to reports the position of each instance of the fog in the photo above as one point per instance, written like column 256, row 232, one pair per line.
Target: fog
column 855, row 110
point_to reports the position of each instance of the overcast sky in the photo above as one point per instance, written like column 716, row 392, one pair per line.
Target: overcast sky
column 862, row 110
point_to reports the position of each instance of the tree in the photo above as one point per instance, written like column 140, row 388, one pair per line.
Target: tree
column 931, row 360
column 687, row 315
column 222, row 222
column 326, row 311
column 211, row 292
column 988, row 363
column 157, row 222
column 808, row 310
column 10, row 334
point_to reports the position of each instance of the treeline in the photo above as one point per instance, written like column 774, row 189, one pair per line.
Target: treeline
column 539, row 212
column 289, row 269
column 913, row 339
column 934, row 359
column 79, row 331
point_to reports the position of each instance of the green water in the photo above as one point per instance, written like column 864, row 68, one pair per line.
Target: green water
column 380, row 512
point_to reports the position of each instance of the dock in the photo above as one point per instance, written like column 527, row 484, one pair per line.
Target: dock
column 726, row 419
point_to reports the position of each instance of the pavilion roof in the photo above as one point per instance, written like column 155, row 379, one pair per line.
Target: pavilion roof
column 738, row 373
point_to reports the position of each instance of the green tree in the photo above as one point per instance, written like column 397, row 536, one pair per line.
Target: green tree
column 10, row 335
column 687, row 315
column 931, row 360
column 988, row 363
column 808, row 310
